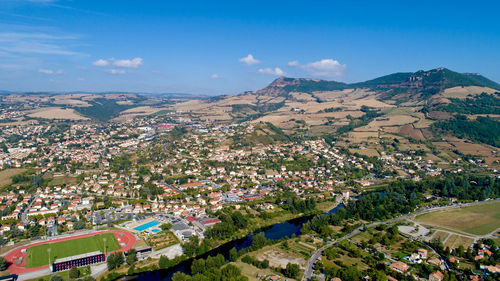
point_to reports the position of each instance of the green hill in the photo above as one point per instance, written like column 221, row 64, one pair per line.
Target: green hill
column 431, row 81
column 391, row 79
column 440, row 78
column 309, row 86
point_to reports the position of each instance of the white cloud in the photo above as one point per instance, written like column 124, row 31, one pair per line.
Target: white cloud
column 275, row 71
column 34, row 43
column 215, row 76
column 133, row 63
column 101, row 62
column 250, row 60
column 325, row 67
column 116, row 71
column 46, row 71
column 50, row 71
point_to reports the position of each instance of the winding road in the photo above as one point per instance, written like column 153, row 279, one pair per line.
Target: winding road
column 308, row 272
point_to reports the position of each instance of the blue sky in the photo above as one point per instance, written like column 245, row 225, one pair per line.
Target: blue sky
column 226, row 47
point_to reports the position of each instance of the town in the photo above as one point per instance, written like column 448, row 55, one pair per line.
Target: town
column 249, row 140
column 165, row 179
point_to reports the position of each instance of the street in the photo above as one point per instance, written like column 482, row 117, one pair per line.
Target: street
column 308, row 272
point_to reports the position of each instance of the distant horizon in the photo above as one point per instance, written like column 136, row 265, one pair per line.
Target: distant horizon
column 3, row 91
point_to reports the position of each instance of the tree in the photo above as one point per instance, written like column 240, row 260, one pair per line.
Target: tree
column 79, row 225
column 191, row 246
column 239, row 220
column 74, row 273
column 164, row 262
column 259, row 240
column 36, row 180
column 131, row 256
column 285, row 245
column 460, row 251
column 115, row 260
column 198, row 266
column 131, row 270
column 379, row 276
column 233, row 254
column 165, row 226
column 230, row 271
column 351, row 273
column 179, row 276
column 292, row 270
column 4, row 147
column 3, row 264
column 56, row 277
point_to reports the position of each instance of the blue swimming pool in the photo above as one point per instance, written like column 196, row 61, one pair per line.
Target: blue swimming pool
column 147, row 225
column 156, row 230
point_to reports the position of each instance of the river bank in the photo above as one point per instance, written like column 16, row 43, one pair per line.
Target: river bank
column 276, row 231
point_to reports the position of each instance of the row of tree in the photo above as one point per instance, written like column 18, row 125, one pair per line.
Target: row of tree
column 211, row 269
column 404, row 196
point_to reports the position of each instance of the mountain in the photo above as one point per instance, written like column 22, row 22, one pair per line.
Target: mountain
column 440, row 78
column 421, row 84
column 285, row 85
column 416, row 105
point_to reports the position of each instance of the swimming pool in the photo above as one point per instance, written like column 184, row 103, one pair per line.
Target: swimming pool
column 156, row 230
column 147, row 225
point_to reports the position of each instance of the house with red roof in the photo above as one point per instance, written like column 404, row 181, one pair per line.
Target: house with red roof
column 400, row 267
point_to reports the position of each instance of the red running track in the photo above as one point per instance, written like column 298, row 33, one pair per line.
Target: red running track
column 127, row 238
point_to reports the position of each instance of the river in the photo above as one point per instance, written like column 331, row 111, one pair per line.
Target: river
column 274, row 232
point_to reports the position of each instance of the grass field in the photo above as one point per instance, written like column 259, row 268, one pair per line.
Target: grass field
column 68, row 180
column 479, row 220
column 363, row 236
column 39, row 256
column 251, row 271
column 440, row 235
column 7, row 174
column 456, row 240
column 326, row 206
column 278, row 257
column 57, row 113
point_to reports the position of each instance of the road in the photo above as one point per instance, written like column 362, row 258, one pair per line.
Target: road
column 34, row 274
column 314, row 258
column 24, row 214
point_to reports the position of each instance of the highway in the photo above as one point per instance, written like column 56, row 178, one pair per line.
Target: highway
column 314, row 258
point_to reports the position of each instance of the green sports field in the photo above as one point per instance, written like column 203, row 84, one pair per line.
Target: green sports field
column 39, row 256
column 479, row 219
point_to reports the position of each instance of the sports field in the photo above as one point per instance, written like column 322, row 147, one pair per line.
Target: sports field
column 39, row 256
column 479, row 219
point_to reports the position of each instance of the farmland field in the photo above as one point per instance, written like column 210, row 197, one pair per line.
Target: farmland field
column 57, row 113
column 162, row 240
column 479, row 220
column 464, row 92
column 39, row 256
